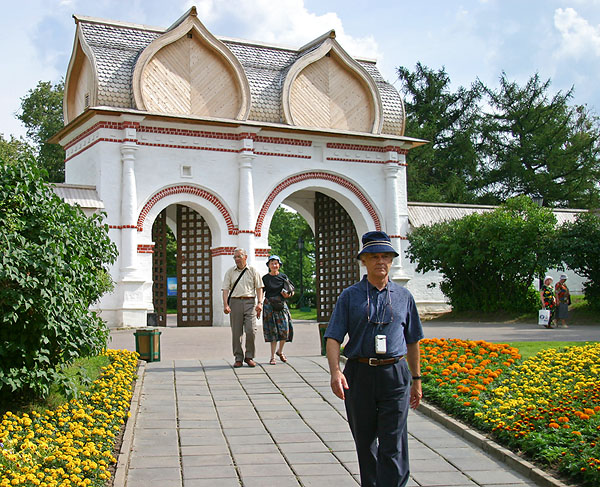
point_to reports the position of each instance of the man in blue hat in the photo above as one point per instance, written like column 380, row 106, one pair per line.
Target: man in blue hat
column 382, row 375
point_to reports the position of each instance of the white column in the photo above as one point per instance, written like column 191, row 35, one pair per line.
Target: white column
column 396, row 211
column 128, row 210
column 246, row 222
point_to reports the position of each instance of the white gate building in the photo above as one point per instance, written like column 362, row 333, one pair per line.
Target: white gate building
column 208, row 136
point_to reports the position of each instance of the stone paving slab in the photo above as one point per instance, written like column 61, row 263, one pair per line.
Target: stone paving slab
column 208, row 424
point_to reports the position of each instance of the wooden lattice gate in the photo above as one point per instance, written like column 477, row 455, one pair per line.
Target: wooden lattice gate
column 159, row 268
column 194, row 269
column 336, row 245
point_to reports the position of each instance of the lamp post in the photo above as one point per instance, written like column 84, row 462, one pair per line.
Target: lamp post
column 301, row 248
column 538, row 199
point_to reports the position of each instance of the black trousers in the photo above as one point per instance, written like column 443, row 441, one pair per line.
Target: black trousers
column 377, row 404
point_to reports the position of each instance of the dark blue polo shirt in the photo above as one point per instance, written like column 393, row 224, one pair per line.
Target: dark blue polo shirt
column 393, row 305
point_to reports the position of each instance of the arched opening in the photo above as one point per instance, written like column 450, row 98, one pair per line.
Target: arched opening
column 318, row 242
column 180, row 230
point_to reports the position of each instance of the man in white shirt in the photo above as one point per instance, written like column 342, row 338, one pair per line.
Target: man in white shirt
column 239, row 302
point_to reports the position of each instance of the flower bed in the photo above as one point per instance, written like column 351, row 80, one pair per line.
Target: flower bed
column 73, row 444
column 547, row 406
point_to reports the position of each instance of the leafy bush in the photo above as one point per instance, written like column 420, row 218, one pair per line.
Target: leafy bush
column 74, row 443
column 578, row 243
column 52, row 268
column 489, row 261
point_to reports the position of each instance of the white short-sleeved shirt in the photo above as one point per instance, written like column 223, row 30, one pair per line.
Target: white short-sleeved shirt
column 249, row 283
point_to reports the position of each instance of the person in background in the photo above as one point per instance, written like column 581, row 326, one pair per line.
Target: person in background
column 277, row 323
column 382, row 376
column 242, row 286
column 548, row 298
column 563, row 297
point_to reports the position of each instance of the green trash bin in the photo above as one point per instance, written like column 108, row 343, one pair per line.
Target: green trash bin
column 322, row 328
column 147, row 344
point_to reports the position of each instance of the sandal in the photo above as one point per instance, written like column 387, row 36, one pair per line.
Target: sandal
column 272, row 361
column 281, row 356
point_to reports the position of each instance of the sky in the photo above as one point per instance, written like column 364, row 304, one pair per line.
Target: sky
column 470, row 39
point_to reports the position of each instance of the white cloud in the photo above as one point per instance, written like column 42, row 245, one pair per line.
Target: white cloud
column 578, row 37
column 285, row 22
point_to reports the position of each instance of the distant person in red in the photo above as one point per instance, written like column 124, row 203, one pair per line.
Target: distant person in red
column 563, row 296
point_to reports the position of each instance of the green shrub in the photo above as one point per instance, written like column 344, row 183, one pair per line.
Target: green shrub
column 489, row 261
column 52, row 268
column 578, row 243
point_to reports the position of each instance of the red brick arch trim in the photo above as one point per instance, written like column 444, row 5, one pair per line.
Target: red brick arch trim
column 187, row 189
column 316, row 176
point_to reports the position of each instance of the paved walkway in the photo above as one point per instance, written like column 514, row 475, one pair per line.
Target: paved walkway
column 197, row 421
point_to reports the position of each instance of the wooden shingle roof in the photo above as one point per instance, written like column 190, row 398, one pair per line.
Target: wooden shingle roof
column 114, row 47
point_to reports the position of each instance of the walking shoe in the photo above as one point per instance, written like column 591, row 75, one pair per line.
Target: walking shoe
column 250, row 362
column 238, row 363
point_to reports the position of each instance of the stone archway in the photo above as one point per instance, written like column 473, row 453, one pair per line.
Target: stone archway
column 194, row 268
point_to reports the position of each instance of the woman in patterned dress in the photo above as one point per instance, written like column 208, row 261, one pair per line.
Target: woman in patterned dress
column 563, row 296
column 548, row 298
column 277, row 324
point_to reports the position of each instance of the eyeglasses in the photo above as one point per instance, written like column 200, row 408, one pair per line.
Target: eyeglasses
column 382, row 317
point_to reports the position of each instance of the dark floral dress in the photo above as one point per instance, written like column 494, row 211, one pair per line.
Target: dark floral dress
column 277, row 325
column 549, row 301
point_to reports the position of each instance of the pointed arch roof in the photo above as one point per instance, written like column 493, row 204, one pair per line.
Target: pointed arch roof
column 116, row 47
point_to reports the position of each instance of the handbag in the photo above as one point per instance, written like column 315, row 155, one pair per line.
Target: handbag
column 543, row 317
column 277, row 303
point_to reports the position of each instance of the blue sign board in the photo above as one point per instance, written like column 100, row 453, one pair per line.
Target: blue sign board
column 171, row 286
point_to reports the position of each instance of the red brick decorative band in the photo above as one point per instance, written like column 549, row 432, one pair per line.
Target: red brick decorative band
column 262, row 252
column 184, row 132
column 221, row 251
column 398, row 236
column 145, row 249
column 121, row 227
column 315, row 175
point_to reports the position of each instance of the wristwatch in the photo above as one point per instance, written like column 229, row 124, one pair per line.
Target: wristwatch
column 416, row 377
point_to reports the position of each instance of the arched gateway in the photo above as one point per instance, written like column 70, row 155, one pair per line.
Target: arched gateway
column 178, row 129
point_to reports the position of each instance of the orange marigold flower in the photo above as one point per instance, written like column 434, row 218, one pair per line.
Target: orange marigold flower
column 554, row 425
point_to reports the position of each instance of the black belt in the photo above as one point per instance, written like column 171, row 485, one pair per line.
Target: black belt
column 243, row 297
column 374, row 362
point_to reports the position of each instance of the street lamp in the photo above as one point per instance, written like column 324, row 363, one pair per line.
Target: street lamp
column 301, row 248
column 538, row 199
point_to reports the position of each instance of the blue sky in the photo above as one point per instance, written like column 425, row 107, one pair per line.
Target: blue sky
column 470, row 38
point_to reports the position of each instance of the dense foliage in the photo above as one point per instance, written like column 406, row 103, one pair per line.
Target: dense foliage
column 72, row 445
column 487, row 145
column 578, row 244
column 42, row 114
column 537, row 144
column 547, row 406
column 489, row 261
column 284, row 237
column 445, row 169
column 52, row 268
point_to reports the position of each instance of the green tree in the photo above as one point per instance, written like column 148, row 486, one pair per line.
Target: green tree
column 578, row 244
column 537, row 144
column 489, row 261
column 285, row 230
column 53, row 266
column 14, row 149
column 42, row 114
column 445, row 169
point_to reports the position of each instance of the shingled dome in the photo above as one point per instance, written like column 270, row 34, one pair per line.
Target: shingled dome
column 185, row 70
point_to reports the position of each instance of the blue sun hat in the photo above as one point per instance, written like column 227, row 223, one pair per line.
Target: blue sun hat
column 375, row 243
column 274, row 257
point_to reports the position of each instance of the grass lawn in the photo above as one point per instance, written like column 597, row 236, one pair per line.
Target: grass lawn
column 298, row 314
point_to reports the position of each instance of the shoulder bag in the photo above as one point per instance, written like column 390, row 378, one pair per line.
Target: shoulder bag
column 235, row 284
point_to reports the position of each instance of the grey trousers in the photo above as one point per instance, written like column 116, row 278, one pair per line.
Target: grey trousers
column 243, row 319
